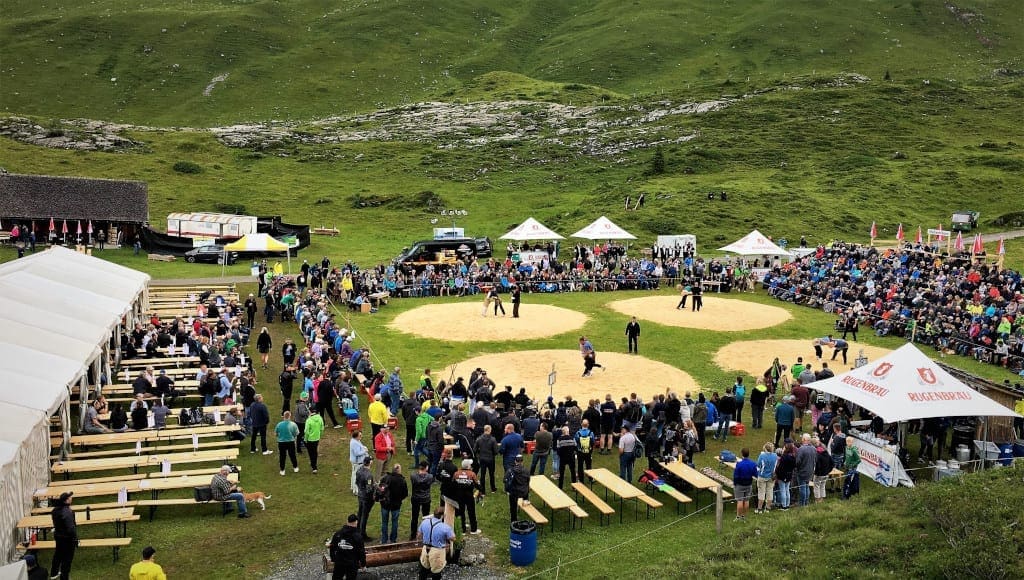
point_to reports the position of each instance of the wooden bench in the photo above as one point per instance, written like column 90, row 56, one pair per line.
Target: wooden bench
column 605, row 509
column 147, row 450
column 115, row 543
column 119, row 516
column 92, row 480
column 681, row 498
column 651, row 503
column 134, row 462
column 534, row 513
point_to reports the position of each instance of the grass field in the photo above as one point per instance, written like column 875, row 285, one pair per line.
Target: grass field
column 307, row 508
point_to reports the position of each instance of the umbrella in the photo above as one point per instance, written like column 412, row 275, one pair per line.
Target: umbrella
column 89, row 238
column 1002, row 249
column 90, row 227
column 978, row 247
column 79, row 232
column 874, row 231
column 919, row 239
column 52, row 227
column 958, row 245
column 899, row 233
column 64, row 228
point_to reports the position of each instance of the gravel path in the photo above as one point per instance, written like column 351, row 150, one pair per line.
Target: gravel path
column 308, row 564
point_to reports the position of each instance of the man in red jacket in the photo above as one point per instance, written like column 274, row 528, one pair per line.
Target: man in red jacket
column 383, row 450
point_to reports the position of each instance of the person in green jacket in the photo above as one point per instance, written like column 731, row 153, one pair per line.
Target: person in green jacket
column 851, row 481
column 314, row 429
column 287, row 431
column 422, row 422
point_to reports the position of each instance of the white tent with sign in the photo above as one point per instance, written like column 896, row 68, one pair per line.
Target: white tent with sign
column 603, row 229
column 531, row 229
column 905, row 385
column 256, row 243
column 755, row 244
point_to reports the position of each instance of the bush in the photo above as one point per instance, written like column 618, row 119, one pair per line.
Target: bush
column 187, row 167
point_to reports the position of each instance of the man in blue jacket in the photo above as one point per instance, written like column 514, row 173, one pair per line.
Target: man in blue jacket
column 785, row 414
column 511, row 445
column 743, row 481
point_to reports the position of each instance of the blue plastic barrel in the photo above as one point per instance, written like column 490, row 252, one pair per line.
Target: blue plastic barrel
column 522, row 544
column 1006, row 454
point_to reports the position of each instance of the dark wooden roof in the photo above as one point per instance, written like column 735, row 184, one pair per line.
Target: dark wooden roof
column 42, row 197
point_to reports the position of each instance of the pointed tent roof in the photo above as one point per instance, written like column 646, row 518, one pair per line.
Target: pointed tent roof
column 256, row 243
column 905, row 384
column 603, row 229
column 755, row 244
column 531, row 229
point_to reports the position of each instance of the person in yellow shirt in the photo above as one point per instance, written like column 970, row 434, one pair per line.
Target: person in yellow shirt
column 378, row 413
column 147, row 569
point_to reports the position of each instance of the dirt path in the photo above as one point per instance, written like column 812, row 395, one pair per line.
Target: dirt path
column 1007, row 235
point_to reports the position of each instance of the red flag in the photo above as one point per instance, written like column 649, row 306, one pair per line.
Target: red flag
column 958, row 245
column 52, row 227
column 1002, row 249
column 64, row 228
column 919, row 240
column 899, row 233
column 978, row 247
column 874, row 231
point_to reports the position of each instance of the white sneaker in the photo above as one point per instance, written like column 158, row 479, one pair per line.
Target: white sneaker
column 337, row 426
column 282, row 472
column 296, row 470
column 268, row 452
column 475, row 532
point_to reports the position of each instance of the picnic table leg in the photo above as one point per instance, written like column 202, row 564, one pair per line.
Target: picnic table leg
column 621, row 503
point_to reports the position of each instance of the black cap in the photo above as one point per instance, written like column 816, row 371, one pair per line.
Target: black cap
column 367, row 461
column 64, row 497
column 353, row 518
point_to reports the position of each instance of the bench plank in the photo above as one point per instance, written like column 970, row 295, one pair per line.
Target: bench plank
column 532, row 511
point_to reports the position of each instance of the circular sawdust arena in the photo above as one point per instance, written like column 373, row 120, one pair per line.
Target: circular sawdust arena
column 530, row 368
column 723, row 314
column 462, row 322
column 755, row 356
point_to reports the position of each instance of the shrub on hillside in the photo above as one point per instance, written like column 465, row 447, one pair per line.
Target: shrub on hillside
column 187, row 167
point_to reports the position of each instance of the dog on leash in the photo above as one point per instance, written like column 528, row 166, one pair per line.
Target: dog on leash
column 258, row 497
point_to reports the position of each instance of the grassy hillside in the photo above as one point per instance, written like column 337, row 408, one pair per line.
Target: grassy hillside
column 150, row 62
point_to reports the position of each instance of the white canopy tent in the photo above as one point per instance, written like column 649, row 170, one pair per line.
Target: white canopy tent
column 905, row 385
column 531, row 229
column 83, row 272
column 24, row 449
column 603, row 229
column 755, row 244
column 256, row 243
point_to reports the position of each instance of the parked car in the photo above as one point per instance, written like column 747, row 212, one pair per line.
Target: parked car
column 210, row 255
column 965, row 221
column 444, row 251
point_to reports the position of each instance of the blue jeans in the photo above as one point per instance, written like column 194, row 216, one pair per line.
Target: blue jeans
column 207, row 400
column 805, row 490
column 782, row 495
column 626, row 466
column 541, row 460
column 555, row 463
column 385, row 514
column 239, row 500
column 723, row 426
column 420, row 449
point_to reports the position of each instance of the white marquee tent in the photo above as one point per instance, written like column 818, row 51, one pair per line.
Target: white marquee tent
column 905, row 385
column 531, row 229
column 755, row 244
column 603, row 229
column 59, row 310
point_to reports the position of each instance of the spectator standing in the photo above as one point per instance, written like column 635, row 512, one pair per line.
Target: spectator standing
column 784, row 416
column 700, row 420
column 758, row 400
column 633, row 336
column 565, row 446
column 543, row 440
column 806, row 457
column 287, row 432
column 726, row 409
column 348, row 550
column 743, row 480
column 464, row 483
column 65, row 535
column 420, row 481
column 766, row 463
column 311, row 437
column 259, row 417
column 147, row 568
column 301, row 417
column 357, row 453
column 383, row 451
column 740, row 393
column 517, row 486
column 436, row 536
column 627, row 449
column 851, row 481
column 391, row 505
column 585, row 440
column 486, row 447
column 378, row 413
column 263, row 342
column 510, row 447
column 367, row 485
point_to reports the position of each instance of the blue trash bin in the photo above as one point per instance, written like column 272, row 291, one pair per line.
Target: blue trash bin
column 522, row 544
column 1018, row 448
column 1006, row 454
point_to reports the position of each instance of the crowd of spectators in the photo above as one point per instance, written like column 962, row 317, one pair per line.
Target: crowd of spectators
column 955, row 304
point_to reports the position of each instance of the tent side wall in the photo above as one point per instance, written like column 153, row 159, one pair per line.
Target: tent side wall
column 12, row 497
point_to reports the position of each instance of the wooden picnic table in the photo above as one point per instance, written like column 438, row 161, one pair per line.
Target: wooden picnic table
column 154, row 485
column 154, row 435
column 695, row 478
column 555, row 498
column 616, row 485
column 177, row 361
column 224, row 409
column 118, row 516
column 134, row 462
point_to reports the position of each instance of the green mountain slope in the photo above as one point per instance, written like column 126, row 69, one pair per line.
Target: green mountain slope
column 151, row 61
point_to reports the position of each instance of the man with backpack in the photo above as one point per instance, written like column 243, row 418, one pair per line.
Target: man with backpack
column 517, row 486
column 726, row 408
column 435, row 443
column 585, row 440
column 366, row 486
column 391, row 492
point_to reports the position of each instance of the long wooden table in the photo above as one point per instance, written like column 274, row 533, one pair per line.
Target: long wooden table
column 166, row 361
column 118, row 516
column 154, row 485
column 555, row 498
column 695, row 478
column 224, row 409
column 615, row 484
column 154, row 435
column 134, row 462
